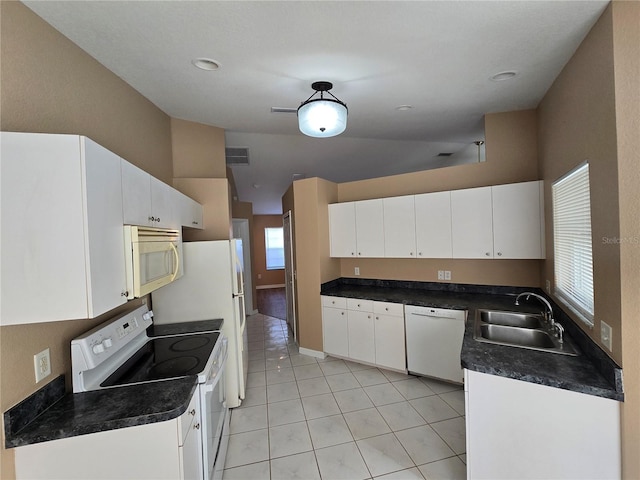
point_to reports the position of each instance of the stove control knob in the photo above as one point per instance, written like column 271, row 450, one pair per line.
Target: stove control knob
column 107, row 343
column 98, row 348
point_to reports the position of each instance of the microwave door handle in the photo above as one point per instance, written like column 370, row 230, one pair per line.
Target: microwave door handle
column 177, row 257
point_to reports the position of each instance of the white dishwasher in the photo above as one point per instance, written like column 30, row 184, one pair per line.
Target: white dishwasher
column 434, row 341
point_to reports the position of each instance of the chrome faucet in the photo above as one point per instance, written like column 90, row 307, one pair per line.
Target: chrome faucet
column 548, row 315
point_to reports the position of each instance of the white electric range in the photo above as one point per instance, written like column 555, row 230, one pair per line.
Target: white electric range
column 119, row 353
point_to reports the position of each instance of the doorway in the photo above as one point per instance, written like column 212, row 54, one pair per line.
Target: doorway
column 241, row 230
column 289, row 272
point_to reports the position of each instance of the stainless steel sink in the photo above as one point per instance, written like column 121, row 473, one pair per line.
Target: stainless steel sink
column 518, row 329
column 511, row 319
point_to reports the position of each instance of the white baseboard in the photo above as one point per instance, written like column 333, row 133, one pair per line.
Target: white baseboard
column 312, row 353
column 265, row 287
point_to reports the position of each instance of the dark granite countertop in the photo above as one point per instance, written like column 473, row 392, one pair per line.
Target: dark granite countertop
column 185, row 328
column 90, row 412
column 592, row 372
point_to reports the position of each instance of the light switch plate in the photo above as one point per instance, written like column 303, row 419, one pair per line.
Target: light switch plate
column 447, row 274
column 440, row 274
column 547, row 286
column 605, row 335
column 42, row 364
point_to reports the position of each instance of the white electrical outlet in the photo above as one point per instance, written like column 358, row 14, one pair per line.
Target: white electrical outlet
column 440, row 274
column 356, row 271
column 42, row 364
column 547, row 286
column 605, row 335
column 447, row 274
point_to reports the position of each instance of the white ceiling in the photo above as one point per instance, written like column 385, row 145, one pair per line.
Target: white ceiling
column 437, row 56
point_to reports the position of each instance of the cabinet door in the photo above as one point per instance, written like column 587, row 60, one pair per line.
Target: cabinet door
column 370, row 228
column 335, row 331
column 43, row 263
column 399, row 227
column 190, row 441
column 342, row 229
column 433, row 225
column 136, row 195
column 190, row 212
column 163, row 205
column 361, row 336
column 471, row 223
column 390, row 342
column 105, row 239
column 518, row 220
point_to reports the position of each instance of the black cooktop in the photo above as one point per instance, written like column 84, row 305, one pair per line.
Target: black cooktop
column 164, row 358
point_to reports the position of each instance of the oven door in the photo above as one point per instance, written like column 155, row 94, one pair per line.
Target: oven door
column 214, row 412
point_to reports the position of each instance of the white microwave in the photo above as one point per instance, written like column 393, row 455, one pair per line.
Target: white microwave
column 153, row 258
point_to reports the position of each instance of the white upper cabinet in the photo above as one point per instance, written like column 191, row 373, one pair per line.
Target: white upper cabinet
column 190, row 211
column 164, row 205
column 342, row 229
column 62, row 238
column 370, row 228
column 518, row 220
column 472, row 223
column 399, row 227
column 433, row 225
column 136, row 195
column 503, row 221
column 149, row 202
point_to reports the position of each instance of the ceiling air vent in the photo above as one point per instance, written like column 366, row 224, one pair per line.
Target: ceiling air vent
column 444, row 154
column 237, row 155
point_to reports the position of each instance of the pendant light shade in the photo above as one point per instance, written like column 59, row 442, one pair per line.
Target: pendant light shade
column 322, row 117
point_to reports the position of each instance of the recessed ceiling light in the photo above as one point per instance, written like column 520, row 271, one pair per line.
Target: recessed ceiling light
column 404, row 108
column 206, row 64
column 499, row 77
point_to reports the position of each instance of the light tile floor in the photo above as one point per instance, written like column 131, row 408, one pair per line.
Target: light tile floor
column 306, row 418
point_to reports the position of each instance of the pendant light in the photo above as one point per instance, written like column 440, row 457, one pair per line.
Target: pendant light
column 322, row 117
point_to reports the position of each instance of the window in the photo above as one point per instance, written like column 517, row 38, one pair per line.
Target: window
column 573, row 260
column 274, row 245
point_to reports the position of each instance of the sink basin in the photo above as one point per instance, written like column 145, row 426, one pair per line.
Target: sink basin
column 522, row 337
column 517, row 329
column 511, row 319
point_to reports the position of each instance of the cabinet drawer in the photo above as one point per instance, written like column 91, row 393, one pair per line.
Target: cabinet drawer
column 385, row 308
column 191, row 417
column 334, row 302
column 359, row 305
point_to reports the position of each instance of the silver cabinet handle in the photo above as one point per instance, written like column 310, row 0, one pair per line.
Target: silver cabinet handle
column 193, row 412
column 197, row 426
column 125, row 293
column 499, row 254
column 488, row 254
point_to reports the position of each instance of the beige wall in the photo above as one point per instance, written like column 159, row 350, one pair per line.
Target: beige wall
column 198, row 150
column 626, row 54
column 213, row 195
column 313, row 265
column 592, row 112
column 577, row 122
column 511, row 152
column 267, row 277
column 49, row 85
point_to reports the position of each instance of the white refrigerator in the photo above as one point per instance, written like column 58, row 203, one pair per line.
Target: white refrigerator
column 212, row 286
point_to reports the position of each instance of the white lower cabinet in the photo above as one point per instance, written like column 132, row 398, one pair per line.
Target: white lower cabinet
column 362, row 345
column 389, row 333
column 334, row 326
column 364, row 331
column 524, row 430
column 165, row 450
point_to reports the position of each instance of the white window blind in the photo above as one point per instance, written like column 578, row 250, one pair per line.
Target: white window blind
column 274, row 245
column 573, row 260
